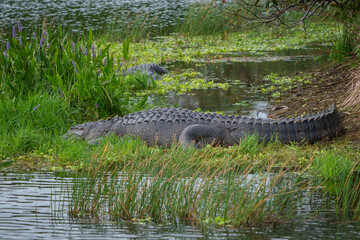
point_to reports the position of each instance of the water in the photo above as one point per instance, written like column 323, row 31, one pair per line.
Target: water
column 243, row 71
column 83, row 14
column 26, row 213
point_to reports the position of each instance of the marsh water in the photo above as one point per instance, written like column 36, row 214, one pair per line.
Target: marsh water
column 31, row 208
column 244, row 72
column 97, row 14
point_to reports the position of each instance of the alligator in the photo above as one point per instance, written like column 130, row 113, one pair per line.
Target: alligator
column 148, row 69
column 165, row 126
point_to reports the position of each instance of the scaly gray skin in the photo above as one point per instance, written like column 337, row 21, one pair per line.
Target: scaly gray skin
column 148, row 69
column 165, row 126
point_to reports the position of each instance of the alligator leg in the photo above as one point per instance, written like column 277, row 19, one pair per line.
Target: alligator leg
column 94, row 141
column 198, row 135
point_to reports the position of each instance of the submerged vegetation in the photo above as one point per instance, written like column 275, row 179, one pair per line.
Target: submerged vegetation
column 52, row 79
column 276, row 85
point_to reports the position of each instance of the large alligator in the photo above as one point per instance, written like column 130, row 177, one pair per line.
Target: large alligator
column 165, row 126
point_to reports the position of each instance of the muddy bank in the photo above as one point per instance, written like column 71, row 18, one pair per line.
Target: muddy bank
column 338, row 85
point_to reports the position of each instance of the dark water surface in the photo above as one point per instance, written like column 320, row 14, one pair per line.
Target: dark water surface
column 26, row 212
column 83, row 14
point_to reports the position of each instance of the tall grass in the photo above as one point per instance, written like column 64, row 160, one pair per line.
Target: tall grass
column 51, row 79
column 346, row 44
column 339, row 176
column 202, row 18
column 136, row 28
column 125, row 180
column 175, row 186
column 31, row 124
column 75, row 68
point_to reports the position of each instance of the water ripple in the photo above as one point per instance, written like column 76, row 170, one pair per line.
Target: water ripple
column 97, row 14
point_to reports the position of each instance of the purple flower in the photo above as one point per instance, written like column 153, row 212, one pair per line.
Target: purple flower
column 99, row 51
column 104, row 62
column 93, row 50
column 7, row 46
column 36, row 107
column 14, row 32
column 154, row 77
column 6, row 54
column 61, row 93
column 96, row 106
column 19, row 26
column 41, row 42
column 73, row 62
column 119, row 67
column 73, row 45
column 21, row 44
column 44, row 33
column 34, row 35
column 62, row 47
column 123, row 71
column 99, row 73
column 86, row 52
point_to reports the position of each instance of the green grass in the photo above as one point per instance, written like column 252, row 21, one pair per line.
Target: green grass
column 166, row 188
column 202, row 18
column 89, row 78
column 249, row 184
column 339, row 175
column 346, row 44
column 31, row 124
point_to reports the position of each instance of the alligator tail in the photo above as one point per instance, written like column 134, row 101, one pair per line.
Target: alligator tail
column 327, row 124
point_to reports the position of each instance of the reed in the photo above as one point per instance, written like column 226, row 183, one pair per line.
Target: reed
column 346, row 44
column 137, row 28
column 203, row 18
column 175, row 186
column 339, row 176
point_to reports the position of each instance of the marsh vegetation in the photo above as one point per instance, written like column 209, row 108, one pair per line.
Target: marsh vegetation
column 53, row 78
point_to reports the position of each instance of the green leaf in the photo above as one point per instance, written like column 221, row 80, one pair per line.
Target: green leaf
column 126, row 45
column 107, row 96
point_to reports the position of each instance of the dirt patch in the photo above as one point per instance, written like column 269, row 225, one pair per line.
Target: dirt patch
column 339, row 85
